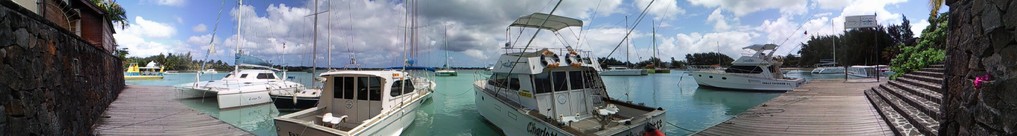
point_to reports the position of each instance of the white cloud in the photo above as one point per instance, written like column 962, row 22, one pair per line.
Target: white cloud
column 719, row 20
column 918, row 27
column 831, row 4
column 151, row 29
column 175, row 3
column 743, row 7
column 662, row 9
column 200, row 28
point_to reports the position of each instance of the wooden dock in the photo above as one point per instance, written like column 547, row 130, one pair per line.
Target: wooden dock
column 148, row 110
column 821, row 107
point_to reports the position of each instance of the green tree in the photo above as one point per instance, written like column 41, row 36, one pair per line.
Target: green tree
column 710, row 58
column 114, row 12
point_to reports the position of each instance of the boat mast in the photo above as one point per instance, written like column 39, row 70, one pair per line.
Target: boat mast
column 653, row 26
column 445, row 37
column 240, row 21
column 329, row 36
column 627, row 44
column 314, row 44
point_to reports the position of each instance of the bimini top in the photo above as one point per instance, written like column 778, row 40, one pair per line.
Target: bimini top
column 761, row 47
column 554, row 23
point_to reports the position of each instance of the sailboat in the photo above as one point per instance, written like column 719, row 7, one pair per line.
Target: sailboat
column 303, row 98
column 447, row 71
column 624, row 70
column 249, row 84
column 536, row 92
column 656, row 67
column 362, row 102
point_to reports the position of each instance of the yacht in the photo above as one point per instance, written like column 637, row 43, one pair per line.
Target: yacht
column 759, row 71
column 828, row 70
column 209, row 71
column 149, row 72
column 532, row 93
column 623, row 71
column 361, row 102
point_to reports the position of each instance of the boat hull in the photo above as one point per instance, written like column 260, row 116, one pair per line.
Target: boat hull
column 143, row 77
column 626, row 72
column 390, row 125
column 286, row 103
column 514, row 122
column 745, row 82
column 445, row 73
column 242, row 98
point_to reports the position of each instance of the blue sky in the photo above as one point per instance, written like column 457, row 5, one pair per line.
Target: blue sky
column 282, row 31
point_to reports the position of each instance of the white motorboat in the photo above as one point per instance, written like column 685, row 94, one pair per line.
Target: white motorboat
column 623, row 71
column 241, row 88
column 828, row 70
column 532, row 93
column 209, row 71
column 375, row 103
column 759, row 71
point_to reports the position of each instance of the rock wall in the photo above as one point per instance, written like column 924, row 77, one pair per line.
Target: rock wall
column 981, row 43
column 51, row 81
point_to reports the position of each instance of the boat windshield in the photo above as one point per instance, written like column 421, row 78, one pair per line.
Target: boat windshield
column 744, row 69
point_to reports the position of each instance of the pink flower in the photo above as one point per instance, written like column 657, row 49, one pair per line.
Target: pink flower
column 980, row 79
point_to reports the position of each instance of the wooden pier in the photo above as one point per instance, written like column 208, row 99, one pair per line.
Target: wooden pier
column 148, row 110
column 821, row 107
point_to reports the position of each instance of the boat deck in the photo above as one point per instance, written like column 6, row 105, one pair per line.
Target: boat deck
column 146, row 110
column 821, row 107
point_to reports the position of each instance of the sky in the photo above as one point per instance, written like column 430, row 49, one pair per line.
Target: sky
column 283, row 31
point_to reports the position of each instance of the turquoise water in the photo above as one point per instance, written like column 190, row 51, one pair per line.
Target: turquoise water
column 452, row 112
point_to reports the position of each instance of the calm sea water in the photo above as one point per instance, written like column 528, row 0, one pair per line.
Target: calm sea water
column 452, row 112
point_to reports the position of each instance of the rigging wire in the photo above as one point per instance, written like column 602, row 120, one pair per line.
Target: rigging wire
column 639, row 19
column 211, row 43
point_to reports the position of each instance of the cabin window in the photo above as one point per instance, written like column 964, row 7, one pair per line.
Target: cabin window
column 560, row 81
column 348, row 86
column 576, row 79
column 498, row 80
column 398, row 87
column 513, row 83
column 744, row 69
column 243, row 75
column 370, row 88
column 266, row 76
column 542, row 83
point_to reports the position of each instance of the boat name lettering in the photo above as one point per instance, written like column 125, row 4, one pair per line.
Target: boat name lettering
column 254, row 98
column 532, row 128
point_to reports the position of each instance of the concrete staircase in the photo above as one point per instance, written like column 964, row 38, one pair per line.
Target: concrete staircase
column 910, row 103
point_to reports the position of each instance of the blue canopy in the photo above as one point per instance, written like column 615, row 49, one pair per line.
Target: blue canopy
column 251, row 60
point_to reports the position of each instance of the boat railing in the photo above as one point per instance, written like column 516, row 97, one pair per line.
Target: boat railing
column 702, row 67
column 559, row 51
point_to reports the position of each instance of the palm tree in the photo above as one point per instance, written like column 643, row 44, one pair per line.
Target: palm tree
column 114, row 12
column 934, row 5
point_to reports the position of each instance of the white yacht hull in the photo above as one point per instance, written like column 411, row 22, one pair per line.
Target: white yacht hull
column 514, row 122
column 232, row 98
column 745, row 82
column 392, row 124
column 626, row 72
column 828, row 70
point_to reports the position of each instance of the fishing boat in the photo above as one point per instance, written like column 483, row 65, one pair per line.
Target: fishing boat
column 533, row 93
column 622, row 71
column 760, row 71
column 446, row 71
column 150, row 72
column 360, row 103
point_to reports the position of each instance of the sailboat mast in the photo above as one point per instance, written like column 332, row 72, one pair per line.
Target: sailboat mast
column 314, row 44
column 653, row 27
column 240, row 21
column 627, row 44
column 445, row 37
column 329, row 36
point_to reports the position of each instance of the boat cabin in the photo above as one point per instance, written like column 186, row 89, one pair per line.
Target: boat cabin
column 363, row 95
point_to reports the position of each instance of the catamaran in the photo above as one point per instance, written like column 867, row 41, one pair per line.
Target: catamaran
column 759, row 71
column 533, row 93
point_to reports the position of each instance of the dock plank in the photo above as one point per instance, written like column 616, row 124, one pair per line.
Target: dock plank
column 147, row 110
column 821, row 107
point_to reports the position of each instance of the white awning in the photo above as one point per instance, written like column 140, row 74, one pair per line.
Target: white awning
column 761, row 47
column 553, row 23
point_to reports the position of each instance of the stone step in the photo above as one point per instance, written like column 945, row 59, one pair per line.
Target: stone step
column 928, row 73
column 929, row 79
column 936, row 87
column 897, row 122
column 930, row 69
column 929, row 95
column 925, row 124
column 930, row 108
column 937, row 66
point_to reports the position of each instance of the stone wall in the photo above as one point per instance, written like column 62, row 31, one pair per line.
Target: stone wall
column 51, row 81
column 981, row 43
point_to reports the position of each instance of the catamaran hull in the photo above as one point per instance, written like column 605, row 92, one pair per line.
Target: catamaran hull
column 514, row 122
column 391, row 125
column 745, row 83
column 286, row 103
column 232, row 99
